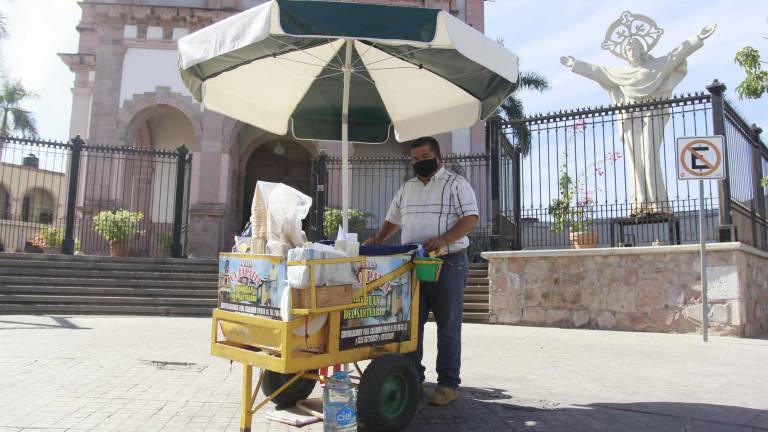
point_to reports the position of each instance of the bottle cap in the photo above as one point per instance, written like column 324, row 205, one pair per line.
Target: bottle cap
column 340, row 375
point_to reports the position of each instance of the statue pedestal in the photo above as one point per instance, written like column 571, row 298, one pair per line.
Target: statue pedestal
column 672, row 221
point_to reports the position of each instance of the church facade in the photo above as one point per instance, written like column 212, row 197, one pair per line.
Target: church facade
column 127, row 92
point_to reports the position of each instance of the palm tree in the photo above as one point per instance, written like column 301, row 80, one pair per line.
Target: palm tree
column 14, row 117
column 512, row 108
column 3, row 27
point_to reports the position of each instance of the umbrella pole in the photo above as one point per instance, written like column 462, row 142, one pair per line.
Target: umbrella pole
column 345, row 136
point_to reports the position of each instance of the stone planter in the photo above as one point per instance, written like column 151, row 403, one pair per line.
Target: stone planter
column 120, row 248
column 583, row 239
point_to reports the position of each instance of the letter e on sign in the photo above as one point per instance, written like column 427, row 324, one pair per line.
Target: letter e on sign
column 701, row 158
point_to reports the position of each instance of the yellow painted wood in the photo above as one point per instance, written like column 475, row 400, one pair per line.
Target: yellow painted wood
column 275, row 259
column 278, row 391
column 246, row 414
column 286, row 359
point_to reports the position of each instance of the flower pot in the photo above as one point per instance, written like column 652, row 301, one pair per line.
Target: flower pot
column 121, row 248
column 583, row 239
column 51, row 249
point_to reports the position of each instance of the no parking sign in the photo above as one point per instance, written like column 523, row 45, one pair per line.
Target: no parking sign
column 700, row 158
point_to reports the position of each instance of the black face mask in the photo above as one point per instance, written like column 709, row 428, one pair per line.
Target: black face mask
column 425, row 167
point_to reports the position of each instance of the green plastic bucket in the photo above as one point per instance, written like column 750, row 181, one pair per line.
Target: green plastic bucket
column 428, row 269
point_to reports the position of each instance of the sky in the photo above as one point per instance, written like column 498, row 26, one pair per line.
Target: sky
column 539, row 31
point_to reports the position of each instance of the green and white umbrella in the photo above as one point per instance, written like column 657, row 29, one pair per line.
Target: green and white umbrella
column 347, row 72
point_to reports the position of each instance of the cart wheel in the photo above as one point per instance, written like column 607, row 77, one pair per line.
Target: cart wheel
column 386, row 397
column 300, row 389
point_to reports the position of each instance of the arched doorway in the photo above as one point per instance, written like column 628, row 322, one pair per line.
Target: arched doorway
column 280, row 162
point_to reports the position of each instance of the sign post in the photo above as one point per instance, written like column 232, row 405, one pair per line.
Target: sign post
column 700, row 158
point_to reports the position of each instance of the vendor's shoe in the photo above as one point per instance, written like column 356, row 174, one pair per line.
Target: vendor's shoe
column 443, row 396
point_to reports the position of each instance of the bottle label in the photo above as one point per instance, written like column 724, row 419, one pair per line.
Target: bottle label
column 345, row 417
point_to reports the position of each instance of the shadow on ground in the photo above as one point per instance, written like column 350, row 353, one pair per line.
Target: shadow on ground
column 56, row 322
column 491, row 409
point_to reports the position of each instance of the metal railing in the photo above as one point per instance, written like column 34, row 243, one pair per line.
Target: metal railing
column 51, row 192
column 576, row 173
column 375, row 181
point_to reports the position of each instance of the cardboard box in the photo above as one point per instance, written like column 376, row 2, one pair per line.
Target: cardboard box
column 327, row 296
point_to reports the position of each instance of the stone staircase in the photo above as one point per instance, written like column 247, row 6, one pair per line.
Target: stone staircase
column 60, row 284
column 476, row 294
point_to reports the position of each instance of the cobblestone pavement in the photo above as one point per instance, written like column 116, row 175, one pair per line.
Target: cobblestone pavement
column 155, row 374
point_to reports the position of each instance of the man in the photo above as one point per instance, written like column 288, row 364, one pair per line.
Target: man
column 438, row 209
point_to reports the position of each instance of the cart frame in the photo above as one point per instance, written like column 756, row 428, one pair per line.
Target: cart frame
column 285, row 359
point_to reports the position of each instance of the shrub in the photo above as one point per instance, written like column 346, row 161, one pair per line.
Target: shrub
column 116, row 226
column 332, row 219
column 51, row 236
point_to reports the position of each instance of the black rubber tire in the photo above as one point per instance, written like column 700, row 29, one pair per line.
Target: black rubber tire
column 373, row 398
column 297, row 391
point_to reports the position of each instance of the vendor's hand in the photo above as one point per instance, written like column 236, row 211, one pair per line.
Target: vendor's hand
column 370, row 241
column 435, row 244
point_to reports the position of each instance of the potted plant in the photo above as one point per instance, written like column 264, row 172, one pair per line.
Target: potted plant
column 577, row 218
column 118, row 228
column 333, row 217
column 49, row 239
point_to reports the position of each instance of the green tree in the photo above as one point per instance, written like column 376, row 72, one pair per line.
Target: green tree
column 14, row 117
column 756, row 82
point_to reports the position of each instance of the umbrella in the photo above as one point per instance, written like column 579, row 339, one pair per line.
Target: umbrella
column 346, row 72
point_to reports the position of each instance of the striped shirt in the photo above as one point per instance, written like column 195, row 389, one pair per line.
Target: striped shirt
column 428, row 210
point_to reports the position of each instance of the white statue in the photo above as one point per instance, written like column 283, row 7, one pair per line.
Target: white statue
column 631, row 37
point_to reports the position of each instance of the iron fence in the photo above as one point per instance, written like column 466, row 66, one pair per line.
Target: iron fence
column 747, row 165
column 577, row 174
column 375, row 181
column 51, row 195
column 611, row 171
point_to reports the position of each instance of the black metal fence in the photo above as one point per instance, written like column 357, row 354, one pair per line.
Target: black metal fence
column 577, row 174
column 747, row 165
column 374, row 182
column 55, row 197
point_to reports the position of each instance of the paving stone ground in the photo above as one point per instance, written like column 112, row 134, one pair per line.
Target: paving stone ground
column 85, row 373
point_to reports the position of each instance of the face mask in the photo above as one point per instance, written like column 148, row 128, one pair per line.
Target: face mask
column 425, row 168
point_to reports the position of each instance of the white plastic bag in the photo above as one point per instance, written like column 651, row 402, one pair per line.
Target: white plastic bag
column 284, row 208
column 325, row 274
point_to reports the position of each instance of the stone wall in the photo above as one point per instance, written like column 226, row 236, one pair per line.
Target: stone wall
column 639, row 289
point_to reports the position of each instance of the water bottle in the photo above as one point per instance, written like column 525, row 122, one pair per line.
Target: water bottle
column 339, row 404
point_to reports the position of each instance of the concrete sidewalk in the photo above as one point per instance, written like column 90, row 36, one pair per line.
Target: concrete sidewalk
column 155, row 374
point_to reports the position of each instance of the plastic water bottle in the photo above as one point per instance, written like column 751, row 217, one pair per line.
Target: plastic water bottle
column 339, row 404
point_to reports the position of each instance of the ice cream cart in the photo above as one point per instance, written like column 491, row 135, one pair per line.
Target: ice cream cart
column 289, row 335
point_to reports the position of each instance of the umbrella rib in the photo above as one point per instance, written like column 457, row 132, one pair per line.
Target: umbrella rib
column 303, row 51
column 363, row 77
column 360, row 58
column 336, row 53
column 329, row 75
column 399, row 56
column 304, row 63
column 396, row 67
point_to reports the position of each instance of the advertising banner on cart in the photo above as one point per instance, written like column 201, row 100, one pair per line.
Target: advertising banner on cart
column 386, row 317
column 251, row 284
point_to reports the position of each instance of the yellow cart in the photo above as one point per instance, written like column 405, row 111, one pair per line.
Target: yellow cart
column 288, row 364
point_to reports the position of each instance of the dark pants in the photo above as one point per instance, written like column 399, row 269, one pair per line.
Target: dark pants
column 445, row 298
